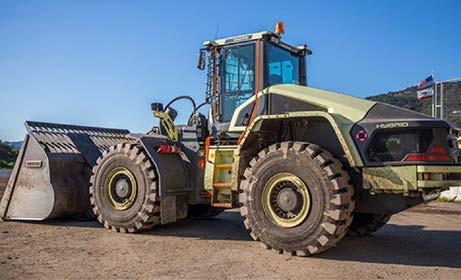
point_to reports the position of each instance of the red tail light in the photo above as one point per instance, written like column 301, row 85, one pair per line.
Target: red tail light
column 167, row 149
column 437, row 154
column 439, row 150
column 427, row 158
column 205, row 194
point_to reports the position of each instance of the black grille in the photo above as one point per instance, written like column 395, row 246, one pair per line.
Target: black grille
column 395, row 145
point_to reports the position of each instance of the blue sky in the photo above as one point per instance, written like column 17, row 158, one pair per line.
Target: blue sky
column 102, row 63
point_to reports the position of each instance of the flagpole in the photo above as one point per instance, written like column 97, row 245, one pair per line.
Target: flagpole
column 434, row 98
column 441, row 100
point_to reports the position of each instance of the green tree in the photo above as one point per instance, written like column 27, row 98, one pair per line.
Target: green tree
column 7, row 155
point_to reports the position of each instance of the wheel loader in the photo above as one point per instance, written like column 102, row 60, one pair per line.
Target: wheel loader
column 305, row 166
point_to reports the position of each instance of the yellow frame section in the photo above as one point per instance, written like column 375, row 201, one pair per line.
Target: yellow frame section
column 209, row 178
column 168, row 124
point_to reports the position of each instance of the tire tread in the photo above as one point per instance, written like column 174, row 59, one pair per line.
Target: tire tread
column 340, row 208
column 149, row 214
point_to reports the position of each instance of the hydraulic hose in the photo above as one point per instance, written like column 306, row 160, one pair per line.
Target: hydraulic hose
column 182, row 97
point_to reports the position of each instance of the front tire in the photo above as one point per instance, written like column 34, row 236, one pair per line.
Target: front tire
column 123, row 191
column 276, row 209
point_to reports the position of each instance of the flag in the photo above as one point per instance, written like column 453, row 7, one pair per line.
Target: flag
column 425, row 93
column 425, row 88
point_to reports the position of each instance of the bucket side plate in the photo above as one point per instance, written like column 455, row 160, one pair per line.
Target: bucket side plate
column 51, row 175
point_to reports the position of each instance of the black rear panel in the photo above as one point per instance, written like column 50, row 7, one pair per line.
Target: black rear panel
column 390, row 135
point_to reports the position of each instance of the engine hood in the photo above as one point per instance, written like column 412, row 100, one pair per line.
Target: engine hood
column 349, row 107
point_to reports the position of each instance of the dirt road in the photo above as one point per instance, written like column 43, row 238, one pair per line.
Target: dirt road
column 423, row 243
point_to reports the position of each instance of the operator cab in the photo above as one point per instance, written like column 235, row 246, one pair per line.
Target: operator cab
column 238, row 67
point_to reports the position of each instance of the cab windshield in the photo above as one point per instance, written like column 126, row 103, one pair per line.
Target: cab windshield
column 282, row 66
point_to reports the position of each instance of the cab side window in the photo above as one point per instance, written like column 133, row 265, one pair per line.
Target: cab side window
column 238, row 78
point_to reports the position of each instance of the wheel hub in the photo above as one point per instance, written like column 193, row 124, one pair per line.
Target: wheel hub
column 286, row 200
column 121, row 188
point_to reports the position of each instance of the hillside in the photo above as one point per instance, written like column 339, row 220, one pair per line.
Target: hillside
column 407, row 99
column 16, row 144
column 7, row 155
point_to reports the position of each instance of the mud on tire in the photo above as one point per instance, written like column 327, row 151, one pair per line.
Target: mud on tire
column 331, row 196
column 144, row 210
column 367, row 223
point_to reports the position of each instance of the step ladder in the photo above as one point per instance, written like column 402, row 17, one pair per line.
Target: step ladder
column 223, row 162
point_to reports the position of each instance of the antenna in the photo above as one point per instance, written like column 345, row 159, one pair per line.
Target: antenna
column 217, row 29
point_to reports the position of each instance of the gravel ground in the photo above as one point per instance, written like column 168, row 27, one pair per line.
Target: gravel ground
column 421, row 243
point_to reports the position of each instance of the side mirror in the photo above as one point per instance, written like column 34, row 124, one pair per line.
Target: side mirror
column 201, row 59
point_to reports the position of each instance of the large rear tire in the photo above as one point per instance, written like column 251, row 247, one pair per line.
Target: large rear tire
column 123, row 191
column 366, row 224
column 296, row 198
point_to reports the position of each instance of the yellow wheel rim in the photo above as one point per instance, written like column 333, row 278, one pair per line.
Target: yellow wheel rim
column 121, row 188
column 286, row 200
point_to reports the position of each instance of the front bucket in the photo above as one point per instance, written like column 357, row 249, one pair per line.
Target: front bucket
column 51, row 175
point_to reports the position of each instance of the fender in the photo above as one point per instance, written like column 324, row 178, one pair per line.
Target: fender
column 173, row 172
column 340, row 125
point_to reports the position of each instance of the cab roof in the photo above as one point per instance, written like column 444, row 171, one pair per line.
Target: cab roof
column 275, row 38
